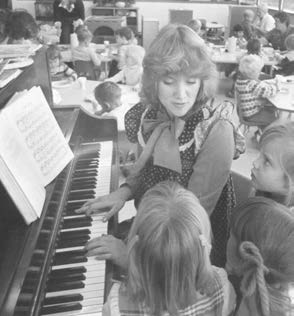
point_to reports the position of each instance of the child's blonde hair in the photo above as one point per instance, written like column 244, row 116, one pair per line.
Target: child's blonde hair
column 136, row 52
column 284, row 133
column 250, row 66
column 83, row 34
column 177, row 48
column 169, row 246
column 264, row 233
column 289, row 42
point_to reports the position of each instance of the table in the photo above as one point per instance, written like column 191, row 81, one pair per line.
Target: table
column 284, row 100
column 220, row 56
column 72, row 95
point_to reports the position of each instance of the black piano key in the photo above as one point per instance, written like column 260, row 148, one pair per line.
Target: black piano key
column 61, row 272
column 64, row 260
column 61, row 308
column 76, row 223
column 75, row 197
column 65, row 285
column 78, row 242
column 63, row 299
column 72, row 234
column 85, row 173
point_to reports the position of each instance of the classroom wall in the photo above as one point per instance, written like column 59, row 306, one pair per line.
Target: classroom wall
column 156, row 10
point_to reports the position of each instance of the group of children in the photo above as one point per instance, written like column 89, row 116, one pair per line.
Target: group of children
column 168, row 265
column 129, row 58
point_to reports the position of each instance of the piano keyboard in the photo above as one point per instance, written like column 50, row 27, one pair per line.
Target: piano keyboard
column 75, row 285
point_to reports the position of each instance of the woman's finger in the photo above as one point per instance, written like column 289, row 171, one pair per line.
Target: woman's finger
column 115, row 209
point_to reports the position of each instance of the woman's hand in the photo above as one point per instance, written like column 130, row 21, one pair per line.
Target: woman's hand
column 113, row 201
column 108, row 247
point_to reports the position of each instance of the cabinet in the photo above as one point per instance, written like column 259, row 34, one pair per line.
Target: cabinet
column 130, row 13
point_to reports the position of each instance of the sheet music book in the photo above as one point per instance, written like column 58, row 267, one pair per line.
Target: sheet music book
column 33, row 150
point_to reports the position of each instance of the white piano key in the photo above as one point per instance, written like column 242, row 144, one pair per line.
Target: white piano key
column 90, row 265
column 94, row 309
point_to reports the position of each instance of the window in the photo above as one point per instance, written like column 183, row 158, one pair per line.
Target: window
column 288, row 5
column 275, row 3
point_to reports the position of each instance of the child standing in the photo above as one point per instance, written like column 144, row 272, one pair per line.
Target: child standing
column 260, row 252
column 85, row 51
column 273, row 171
column 132, row 71
column 252, row 92
column 169, row 270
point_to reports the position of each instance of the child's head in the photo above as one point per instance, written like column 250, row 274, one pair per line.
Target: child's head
column 250, row 66
column 195, row 25
column 178, row 50
column 108, row 95
column 21, row 26
column 248, row 16
column 260, row 250
column 134, row 55
column 238, row 31
column 289, row 42
column 83, row 34
column 168, row 250
column 273, row 170
column 124, row 35
column 253, row 46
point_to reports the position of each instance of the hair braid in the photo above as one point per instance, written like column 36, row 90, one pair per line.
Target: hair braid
column 253, row 278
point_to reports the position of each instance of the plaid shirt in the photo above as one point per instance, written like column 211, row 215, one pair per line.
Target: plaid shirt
column 119, row 305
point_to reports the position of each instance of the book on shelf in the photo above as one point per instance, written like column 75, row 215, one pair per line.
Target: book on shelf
column 33, row 150
column 8, row 75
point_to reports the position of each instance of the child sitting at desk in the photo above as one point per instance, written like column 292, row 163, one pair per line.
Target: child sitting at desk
column 85, row 51
column 239, row 34
column 252, row 93
column 124, row 37
column 58, row 69
column 286, row 64
column 132, row 71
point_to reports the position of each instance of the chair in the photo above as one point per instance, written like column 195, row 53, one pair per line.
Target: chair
column 87, row 69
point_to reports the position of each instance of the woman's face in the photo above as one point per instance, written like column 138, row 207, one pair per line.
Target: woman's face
column 177, row 92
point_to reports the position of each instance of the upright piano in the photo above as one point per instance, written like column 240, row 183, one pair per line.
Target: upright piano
column 43, row 266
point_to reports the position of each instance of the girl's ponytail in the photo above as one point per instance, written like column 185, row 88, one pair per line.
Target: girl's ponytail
column 253, row 279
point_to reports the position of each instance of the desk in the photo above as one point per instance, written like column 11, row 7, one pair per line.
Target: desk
column 73, row 95
column 220, row 56
column 284, row 100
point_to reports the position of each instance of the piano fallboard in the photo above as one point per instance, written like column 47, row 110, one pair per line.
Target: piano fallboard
column 29, row 254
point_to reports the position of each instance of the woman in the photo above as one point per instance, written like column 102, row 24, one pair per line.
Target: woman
column 185, row 137
column 66, row 12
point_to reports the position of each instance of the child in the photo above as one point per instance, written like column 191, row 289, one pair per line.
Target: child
column 260, row 252
column 247, row 24
column 132, row 72
column 124, row 37
column 252, row 92
column 169, row 270
column 196, row 26
column 58, row 69
column 85, row 51
column 254, row 47
column 286, row 64
column 239, row 34
column 273, row 172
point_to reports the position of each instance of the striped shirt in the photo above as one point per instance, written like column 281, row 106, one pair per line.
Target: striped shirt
column 220, row 303
column 252, row 94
